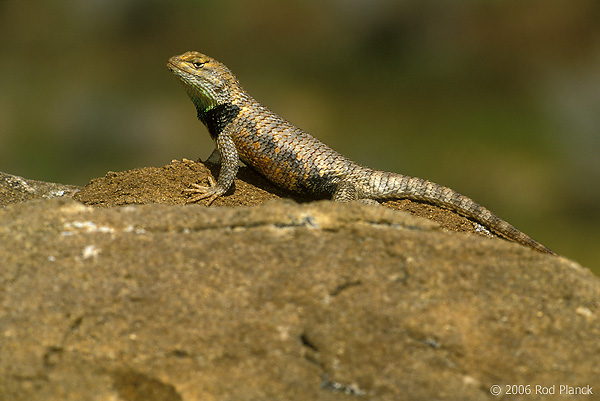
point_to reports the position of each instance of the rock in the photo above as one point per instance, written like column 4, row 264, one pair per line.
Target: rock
column 14, row 189
column 281, row 301
column 167, row 185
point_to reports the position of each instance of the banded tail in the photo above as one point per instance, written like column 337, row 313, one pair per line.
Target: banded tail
column 384, row 185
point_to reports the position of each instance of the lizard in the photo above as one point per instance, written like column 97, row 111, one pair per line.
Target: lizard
column 243, row 129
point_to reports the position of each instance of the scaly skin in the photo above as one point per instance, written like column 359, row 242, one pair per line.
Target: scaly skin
column 244, row 129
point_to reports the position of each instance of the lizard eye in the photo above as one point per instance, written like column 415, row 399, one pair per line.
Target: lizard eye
column 197, row 64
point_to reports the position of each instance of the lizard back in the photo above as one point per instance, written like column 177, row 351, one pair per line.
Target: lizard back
column 287, row 155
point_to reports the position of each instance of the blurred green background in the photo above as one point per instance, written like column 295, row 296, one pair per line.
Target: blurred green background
column 499, row 100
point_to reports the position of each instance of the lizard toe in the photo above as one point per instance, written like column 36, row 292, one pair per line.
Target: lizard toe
column 200, row 192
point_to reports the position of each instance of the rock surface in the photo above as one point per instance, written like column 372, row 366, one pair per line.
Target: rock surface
column 280, row 301
column 15, row 189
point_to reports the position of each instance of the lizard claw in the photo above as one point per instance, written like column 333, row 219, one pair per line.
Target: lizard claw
column 212, row 192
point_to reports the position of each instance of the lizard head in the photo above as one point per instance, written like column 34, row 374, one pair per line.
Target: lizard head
column 207, row 82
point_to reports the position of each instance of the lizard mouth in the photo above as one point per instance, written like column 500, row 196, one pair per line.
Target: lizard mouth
column 177, row 70
column 172, row 66
column 177, row 66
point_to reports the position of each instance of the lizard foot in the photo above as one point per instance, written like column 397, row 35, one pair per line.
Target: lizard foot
column 212, row 192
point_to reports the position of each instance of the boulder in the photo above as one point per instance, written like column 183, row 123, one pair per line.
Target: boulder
column 278, row 301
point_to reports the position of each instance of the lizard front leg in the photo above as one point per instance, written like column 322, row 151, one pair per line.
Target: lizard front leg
column 229, row 168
